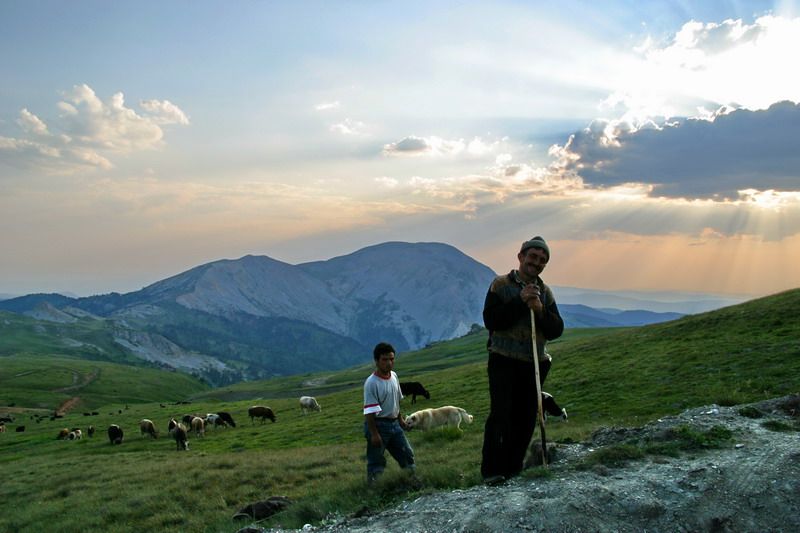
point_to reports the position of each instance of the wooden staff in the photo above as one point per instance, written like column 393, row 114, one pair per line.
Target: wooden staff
column 538, row 389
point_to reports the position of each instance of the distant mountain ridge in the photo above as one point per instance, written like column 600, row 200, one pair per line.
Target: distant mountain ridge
column 262, row 317
column 258, row 317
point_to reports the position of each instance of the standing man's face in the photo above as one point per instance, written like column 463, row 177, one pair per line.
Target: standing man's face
column 385, row 363
column 531, row 263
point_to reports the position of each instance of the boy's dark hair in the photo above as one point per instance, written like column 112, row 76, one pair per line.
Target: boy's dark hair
column 382, row 348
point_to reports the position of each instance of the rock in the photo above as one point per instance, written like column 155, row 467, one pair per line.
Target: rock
column 264, row 508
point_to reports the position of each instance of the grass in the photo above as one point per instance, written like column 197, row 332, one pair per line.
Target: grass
column 739, row 354
column 43, row 382
column 671, row 443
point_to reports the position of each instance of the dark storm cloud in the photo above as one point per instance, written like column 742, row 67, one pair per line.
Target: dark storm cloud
column 695, row 158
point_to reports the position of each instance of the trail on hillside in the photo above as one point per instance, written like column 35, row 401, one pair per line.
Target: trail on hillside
column 67, row 405
column 751, row 483
column 80, row 381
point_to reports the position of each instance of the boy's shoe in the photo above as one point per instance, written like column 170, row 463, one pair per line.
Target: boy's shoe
column 493, row 480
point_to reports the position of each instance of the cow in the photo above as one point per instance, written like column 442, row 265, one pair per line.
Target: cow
column 259, row 411
column 75, row 434
column 309, row 403
column 227, row 418
column 198, row 426
column 213, row 419
column 146, row 427
column 414, row 389
column 179, row 434
column 2, row 428
column 115, row 434
column 62, row 434
column 20, row 429
column 90, row 431
column 172, row 425
column 187, row 420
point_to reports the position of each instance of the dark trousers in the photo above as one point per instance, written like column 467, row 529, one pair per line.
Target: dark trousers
column 393, row 439
column 512, row 414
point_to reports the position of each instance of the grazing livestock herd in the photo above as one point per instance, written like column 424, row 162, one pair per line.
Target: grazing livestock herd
column 425, row 419
column 178, row 431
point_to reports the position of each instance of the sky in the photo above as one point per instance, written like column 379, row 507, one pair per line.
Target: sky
column 654, row 145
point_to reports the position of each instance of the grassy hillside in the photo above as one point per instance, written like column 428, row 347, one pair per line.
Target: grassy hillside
column 85, row 339
column 603, row 377
column 44, row 383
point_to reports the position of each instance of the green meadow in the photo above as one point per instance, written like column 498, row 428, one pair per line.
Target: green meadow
column 604, row 377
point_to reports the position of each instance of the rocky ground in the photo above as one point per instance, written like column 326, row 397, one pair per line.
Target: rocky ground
column 750, row 483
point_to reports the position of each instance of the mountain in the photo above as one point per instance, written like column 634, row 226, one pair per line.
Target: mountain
column 685, row 303
column 257, row 317
column 582, row 316
column 412, row 294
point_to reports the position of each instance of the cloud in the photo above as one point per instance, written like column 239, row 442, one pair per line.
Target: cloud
column 327, row 106
column 88, row 132
column 349, row 127
column 32, row 124
column 708, row 65
column 387, row 182
column 413, row 146
column 165, row 112
column 732, row 151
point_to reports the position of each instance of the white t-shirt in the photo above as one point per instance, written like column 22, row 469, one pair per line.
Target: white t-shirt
column 382, row 396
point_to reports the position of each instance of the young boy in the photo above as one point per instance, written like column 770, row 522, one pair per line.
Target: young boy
column 383, row 424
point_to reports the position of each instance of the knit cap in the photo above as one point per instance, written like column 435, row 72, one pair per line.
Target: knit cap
column 536, row 242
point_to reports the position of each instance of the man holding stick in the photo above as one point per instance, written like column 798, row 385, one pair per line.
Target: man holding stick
column 515, row 303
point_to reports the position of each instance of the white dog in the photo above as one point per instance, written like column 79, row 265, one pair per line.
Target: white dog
column 438, row 417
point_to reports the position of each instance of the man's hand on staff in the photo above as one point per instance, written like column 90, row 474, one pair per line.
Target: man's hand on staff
column 530, row 295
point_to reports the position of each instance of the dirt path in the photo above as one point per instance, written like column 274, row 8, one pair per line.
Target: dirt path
column 78, row 383
column 67, row 405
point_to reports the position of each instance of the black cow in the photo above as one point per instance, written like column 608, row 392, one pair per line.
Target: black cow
column 259, row 411
column 227, row 418
column 20, row 429
column 115, row 434
column 414, row 388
